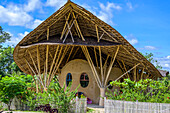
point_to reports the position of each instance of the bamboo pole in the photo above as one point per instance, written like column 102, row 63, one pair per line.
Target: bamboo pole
column 61, row 59
column 127, row 71
column 78, row 26
column 32, row 60
column 64, row 29
column 101, row 66
column 120, row 66
column 38, row 61
column 33, row 72
column 70, row 54
column 46, row 72
column 86, row 53
column 111, row 64
column 101, row 36
column 53, row 61
column 75, row 52
column 98, row 25
column 96, row 58
column 106, row 60
column 124, row 74
column 55, row 64
column 36, row 85
column 48, row 32
column 97, row 33
column 69, row 31
column 125, row 68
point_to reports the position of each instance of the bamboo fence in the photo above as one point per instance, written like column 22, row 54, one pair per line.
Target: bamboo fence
column 117, row 106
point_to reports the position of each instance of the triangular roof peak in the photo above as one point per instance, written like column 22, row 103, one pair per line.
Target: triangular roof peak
column 74, row 26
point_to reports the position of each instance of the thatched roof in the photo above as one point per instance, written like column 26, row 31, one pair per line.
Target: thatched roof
column 86, row 29
column 164, row 73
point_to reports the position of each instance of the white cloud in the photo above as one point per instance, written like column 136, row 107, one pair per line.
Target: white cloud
column 106, row 12
column 13, row 15
column 149, row 47
column 32, row 5
column 168, row 57
column 129, row 5
column 132, row 39
column 109, row 7
column 166, row 65
column 164, row 62
column 55, row 3
column 15, row 40
column 34, row 24
column 23, row 34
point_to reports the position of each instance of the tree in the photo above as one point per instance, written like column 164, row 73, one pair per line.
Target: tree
column 4, row 36
column 149, row 57
column 11, row 87
column 7, row 64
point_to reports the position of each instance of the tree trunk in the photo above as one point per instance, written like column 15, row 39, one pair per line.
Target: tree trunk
column 8, row 107
column 102, row 95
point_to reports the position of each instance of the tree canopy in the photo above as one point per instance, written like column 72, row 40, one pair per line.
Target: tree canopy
column 4, row 36
column 7, row 64
column 149, row 57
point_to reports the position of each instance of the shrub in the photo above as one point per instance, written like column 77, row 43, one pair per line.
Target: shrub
column 144, row 91
column 56, row 96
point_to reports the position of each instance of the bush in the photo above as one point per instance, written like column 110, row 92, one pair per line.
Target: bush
column 143, row 91
column 11, row 87
column 56, row 96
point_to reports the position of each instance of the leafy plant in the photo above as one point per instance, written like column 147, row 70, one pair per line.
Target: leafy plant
column 56, row 96
column 144, row 91
column 63, row 97
column 11, row 87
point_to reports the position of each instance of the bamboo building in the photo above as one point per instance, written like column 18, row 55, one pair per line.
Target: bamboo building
column 77, row 46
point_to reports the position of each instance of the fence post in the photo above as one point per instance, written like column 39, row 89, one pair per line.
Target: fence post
column 136, row 106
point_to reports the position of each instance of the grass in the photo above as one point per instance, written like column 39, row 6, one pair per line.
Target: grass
column 90, row 110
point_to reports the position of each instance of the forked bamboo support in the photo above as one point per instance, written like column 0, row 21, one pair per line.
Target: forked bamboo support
column 87, row 55
column 111, row 64
column 51, row 67
column 34, row 72
column 101, row 66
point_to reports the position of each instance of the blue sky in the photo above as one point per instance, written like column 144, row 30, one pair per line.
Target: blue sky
column 144, row 23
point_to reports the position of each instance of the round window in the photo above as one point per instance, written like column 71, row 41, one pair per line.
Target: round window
column 84, row 80
column 110, row 87
column 68, row 79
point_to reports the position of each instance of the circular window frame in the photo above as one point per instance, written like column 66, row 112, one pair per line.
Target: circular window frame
column 71, row 79
column 84, row 81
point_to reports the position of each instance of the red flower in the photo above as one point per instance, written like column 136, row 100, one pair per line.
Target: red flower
column 167, row 97
column 115, row 95
column 21, row 97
